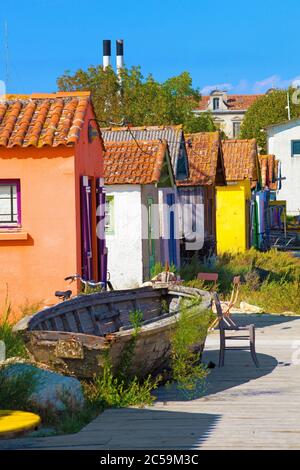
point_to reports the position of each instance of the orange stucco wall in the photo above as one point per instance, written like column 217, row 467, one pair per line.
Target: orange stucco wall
column 33, row 268
column 88, row 162
column 35, row 258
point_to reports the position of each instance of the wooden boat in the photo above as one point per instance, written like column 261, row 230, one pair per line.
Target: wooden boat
column 72, row 337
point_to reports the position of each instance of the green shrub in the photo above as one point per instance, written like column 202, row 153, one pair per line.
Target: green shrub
column 191, row 329
column 189, row 271
column 108, row 390
column 121, row 390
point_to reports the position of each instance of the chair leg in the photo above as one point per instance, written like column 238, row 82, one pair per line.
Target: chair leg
column 222, row 348
column 252, row 346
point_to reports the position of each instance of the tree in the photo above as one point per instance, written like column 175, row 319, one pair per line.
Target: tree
column 266, row 110
column 137, row 100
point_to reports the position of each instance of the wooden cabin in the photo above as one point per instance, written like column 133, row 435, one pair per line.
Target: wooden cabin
column 168, row 197
column 197, row 194
column 234, row 217
column 134, row 174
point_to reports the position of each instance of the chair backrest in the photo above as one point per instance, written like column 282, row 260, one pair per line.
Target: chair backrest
column 218, row 305
column 213, row 277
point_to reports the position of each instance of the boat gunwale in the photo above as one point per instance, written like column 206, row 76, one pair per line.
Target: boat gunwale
column 27, row 324
column 84, row 301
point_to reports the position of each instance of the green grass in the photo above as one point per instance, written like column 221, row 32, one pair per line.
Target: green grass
column 14, row 344
column 275, row 289
column 159, row 268
column 15, row 391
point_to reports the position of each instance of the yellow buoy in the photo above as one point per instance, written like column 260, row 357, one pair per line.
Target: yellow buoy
column 16, row 422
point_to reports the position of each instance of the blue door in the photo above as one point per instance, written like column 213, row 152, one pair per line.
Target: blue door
column 172, row 241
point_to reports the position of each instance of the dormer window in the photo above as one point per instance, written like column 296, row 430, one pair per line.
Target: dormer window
column 216, row 103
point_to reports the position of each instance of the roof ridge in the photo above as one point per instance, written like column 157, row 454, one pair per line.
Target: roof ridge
column 43, row 96
column 142, row 128
column 133, row 142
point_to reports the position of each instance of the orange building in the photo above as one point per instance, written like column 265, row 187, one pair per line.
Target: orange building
column 51, row 180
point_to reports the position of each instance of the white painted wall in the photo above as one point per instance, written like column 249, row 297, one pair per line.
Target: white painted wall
column 125, row 245
column 279, row 144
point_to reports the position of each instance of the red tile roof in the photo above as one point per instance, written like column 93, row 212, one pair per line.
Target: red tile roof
column 234, row 102
column 202, row 149
column 134, row 163
column 42, row 119
column 240, row 159
column 269, row 171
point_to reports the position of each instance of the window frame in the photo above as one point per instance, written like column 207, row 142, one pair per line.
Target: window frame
column 292, row 148
column 110, row 230
column 13, row 182
column 216, row 99
column 234, row 123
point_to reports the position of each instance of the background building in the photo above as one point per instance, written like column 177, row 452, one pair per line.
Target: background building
column 228, row 110
column 283, row 140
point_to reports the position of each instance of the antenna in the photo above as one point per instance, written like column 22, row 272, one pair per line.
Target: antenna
column 6, row 55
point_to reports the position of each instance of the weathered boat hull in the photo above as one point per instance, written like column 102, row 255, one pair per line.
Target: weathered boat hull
column 84, row 355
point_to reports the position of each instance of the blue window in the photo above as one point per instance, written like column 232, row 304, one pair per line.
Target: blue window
column 295, row 148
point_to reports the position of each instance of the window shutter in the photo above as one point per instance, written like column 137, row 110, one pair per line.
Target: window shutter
column 86, row 244
column 102, row 250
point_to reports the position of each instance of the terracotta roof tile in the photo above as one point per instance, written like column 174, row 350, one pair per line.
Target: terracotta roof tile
column 234, row 102
column 240, row 159
column 132, row 163
column 173, row 134
column 269, row 171
column 202, row 149
column 42, row 119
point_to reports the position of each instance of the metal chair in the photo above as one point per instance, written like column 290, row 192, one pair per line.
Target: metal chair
column 226, row 323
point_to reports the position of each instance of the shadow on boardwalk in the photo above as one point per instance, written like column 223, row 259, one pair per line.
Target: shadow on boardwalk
column 238, row 369
column 130, row 428
column 264, row 319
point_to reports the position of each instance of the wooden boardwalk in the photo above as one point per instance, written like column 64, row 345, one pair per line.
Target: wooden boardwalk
column 242, row 408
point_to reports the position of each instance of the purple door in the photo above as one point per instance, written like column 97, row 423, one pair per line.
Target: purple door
column 86, row 227
column 102, row 250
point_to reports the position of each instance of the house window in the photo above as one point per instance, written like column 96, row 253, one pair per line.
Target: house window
column 10, row 203
column 295, row 148
column 216, row 103
column 109, row 215
column 236, row 128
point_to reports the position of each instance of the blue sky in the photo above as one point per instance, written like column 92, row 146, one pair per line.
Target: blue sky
column 245, row 47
